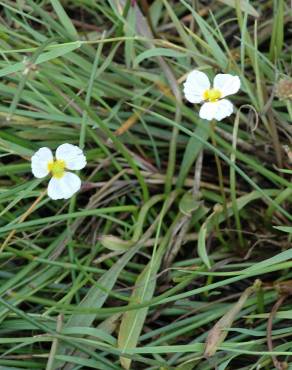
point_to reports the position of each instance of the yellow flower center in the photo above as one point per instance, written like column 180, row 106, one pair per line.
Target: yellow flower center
column 212, row 95
column 57, row 168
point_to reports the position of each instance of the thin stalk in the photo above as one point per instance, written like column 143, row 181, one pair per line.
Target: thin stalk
column 220, row 173
column 172, row 153
column 233, row 183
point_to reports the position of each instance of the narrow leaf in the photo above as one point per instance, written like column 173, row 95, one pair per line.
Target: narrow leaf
column 219, row 332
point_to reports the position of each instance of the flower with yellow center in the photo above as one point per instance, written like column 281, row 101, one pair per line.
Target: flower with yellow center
column 212, row 95
column 197, row 89
column 57, row 168
column 63, row 184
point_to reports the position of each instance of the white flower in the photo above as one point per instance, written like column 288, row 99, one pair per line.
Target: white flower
column 63, row 184
column 197, row 89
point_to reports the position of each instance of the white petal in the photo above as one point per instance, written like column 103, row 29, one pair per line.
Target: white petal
column 197, row 82
column 39, row 162
column 65, row 187
column 227, row 84
column 217, row 110
column 72, row 155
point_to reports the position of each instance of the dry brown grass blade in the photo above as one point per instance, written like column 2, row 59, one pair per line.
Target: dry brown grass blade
column 278, row 365
column 219, row 331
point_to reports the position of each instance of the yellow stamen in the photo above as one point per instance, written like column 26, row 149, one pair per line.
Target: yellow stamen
column 212, row 95
column 57, row 168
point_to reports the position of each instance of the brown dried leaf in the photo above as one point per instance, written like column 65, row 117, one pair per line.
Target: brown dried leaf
column 219, row 332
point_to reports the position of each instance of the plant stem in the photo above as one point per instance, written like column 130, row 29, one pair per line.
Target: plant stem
column 220, row 174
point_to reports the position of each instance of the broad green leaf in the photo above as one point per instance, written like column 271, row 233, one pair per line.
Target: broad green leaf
column 202, row 252
column 133, row 321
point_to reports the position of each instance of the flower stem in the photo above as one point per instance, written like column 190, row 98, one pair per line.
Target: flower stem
column 220, row 174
